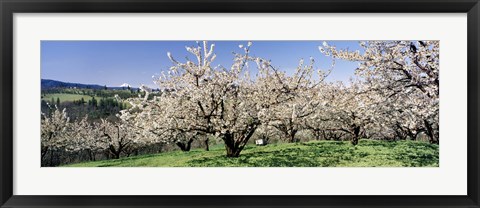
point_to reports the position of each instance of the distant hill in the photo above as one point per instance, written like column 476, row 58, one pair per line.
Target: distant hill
column 51, row 84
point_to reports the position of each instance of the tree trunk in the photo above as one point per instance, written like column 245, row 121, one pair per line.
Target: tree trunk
column 44, row 152
column 265, row 139
column 207, row 148
column 181, row 145
column 233, row 145
column 412, row 136
column 325, row 135
column 233, row 152
column 356, row 132
column 291, row 135
column 51, row 157
column 433, row 138
column 115, row 153
column 91, row 154
column 317, row 133
column 230, row 147
column 185, row 147
column 189, row 144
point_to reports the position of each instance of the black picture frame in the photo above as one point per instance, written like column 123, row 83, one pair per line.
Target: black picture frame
column 9, row 7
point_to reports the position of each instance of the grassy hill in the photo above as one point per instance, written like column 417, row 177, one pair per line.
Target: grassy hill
column 368, row 153
column 64, row 97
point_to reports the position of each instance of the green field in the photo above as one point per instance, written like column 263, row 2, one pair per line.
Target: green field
column 67, row 97
column 368, row 153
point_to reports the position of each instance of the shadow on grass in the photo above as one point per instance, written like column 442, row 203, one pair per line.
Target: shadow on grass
column 330, row 154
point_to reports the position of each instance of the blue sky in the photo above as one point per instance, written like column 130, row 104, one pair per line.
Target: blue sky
column 113, row 63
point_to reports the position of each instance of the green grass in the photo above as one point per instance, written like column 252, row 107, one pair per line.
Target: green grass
column 64, row 97
column 368, row 153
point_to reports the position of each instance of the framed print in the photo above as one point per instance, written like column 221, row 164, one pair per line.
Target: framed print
column 239, row 104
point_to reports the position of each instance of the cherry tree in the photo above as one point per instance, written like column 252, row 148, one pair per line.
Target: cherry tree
column 267, row 132
column 289, row 117
column 200, row 99
column 349, row 110
column 161, row 120
column 301, row 100
column 406, row 115
column 55, row 130
column 319, row 122
column 399, row 69
column 84, row 137
column 212, row 100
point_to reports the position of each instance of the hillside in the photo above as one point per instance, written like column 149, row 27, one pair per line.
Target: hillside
column 67, row 97
column 368, row 153
column 48, row 84
column 51, row 84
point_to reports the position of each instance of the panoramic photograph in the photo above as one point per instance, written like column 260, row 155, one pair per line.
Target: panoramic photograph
column 242, row 103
